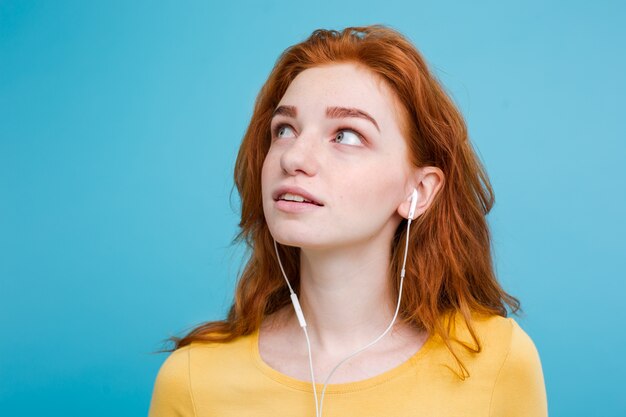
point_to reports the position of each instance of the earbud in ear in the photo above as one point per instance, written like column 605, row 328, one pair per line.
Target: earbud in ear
column 413, row 204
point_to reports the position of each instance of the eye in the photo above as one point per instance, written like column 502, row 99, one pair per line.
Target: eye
column 279, row 129
column 341, row 135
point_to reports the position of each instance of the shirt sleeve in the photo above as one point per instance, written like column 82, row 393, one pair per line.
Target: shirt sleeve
column 172, row 396
column 519, row 389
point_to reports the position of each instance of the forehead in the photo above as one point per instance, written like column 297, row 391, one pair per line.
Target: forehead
column 344, row 84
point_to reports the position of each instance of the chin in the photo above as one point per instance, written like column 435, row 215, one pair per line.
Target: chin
column 286, row 235
column 291, row 239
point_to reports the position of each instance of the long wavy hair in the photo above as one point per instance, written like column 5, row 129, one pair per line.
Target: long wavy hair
column 449, row 267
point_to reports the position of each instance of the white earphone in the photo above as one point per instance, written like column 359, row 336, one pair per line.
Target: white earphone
column 300, row 315
column 413, row 204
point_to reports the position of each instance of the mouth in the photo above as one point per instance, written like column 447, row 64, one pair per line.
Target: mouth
column 295, row 207
column 295, row 200
column 295, row 195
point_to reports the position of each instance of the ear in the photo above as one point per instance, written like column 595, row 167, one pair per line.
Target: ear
column 427, row 181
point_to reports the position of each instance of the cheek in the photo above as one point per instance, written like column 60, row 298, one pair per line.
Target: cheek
column 266, row 174
column 375, row 189
column 266, row 188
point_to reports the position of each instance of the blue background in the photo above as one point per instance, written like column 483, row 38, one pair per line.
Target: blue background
column 119, row 127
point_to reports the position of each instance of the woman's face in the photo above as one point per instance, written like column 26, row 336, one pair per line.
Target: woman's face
column 335, row 138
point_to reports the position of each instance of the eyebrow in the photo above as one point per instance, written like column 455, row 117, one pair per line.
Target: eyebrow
column 331, row 112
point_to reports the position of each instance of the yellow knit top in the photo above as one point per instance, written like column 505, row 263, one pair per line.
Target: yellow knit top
column 231, row 379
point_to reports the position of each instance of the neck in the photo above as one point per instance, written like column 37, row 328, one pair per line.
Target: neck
column 346, row 295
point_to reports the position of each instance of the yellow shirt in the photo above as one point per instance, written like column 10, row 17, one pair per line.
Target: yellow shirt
column 231, row 379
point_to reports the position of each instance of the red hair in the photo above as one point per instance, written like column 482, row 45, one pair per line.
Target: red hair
column 449, row 264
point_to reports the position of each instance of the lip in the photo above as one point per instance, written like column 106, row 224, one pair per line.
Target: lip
column 296, row 190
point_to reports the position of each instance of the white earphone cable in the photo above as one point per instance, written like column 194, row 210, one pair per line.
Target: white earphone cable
column 318, row 408
column 306, row 334
column 383, row 334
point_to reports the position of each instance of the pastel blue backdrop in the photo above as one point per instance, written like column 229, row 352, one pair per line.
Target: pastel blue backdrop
column 119, row 126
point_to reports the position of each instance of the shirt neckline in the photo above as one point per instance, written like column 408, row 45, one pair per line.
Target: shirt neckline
column 338, row 388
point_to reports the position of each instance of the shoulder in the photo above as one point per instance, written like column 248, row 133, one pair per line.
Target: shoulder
column 522, row 351
column 505, row 334
column 175, row 365
column 518, row 387
column 194, row 374
column 522, row 358
column 492, row 334
column 507, row 365
column 509, row 346
column 172, row 394
column 488, row 341
column 181, row 365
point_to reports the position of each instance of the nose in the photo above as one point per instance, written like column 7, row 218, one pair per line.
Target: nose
column 301, row 155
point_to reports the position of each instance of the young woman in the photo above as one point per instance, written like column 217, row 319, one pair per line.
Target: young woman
column 361, row 193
